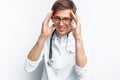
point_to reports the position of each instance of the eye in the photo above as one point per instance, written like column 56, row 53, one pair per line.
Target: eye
column 56, row 18
column 67, row 19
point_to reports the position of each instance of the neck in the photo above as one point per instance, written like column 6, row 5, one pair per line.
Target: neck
column 59, row 35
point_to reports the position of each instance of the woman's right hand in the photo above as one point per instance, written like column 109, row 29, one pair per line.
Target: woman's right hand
column 46, row 29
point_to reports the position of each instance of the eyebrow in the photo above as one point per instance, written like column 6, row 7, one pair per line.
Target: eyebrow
column 60, row 17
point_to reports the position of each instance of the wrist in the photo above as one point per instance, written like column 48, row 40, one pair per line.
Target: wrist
column 79, row 40
column 42, row 38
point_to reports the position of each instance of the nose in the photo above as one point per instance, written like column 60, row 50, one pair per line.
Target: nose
column 61, row 23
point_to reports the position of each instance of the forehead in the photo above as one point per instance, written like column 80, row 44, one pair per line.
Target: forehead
column 63, row 13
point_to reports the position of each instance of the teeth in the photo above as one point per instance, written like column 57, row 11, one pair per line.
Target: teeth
column 62, row 28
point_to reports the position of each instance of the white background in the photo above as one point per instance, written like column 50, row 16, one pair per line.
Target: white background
column 20, row 24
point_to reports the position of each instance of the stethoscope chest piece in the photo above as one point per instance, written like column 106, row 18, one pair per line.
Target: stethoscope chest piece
column 50, row 62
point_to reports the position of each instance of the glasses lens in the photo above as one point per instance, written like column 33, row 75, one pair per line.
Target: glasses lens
column 56, row 19
column 65, row 20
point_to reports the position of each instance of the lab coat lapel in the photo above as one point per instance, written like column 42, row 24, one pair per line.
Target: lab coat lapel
column 71, row 44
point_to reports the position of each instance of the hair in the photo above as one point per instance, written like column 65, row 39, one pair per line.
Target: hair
column 62, row 5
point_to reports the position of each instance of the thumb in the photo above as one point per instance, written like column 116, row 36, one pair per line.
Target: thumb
column 52, row 27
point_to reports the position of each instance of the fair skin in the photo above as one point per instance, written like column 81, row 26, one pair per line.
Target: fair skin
column 62, row 29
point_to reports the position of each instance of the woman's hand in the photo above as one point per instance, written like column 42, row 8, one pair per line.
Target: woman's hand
column 46, row 29
column 76, row 29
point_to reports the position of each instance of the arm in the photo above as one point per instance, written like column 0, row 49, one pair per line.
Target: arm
column 36, row 50
column 45, row 32
column 35, row 56
column 80, row 53
column 82, row 67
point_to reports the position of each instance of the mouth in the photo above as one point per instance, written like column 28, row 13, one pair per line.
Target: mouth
column 62, row 28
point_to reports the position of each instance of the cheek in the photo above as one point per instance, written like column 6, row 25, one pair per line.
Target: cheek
column 56, row 26
column 69, row 26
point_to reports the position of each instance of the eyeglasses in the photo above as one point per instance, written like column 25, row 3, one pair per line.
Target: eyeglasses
column 65, row 20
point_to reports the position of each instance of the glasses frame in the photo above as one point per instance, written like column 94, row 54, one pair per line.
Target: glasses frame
column 57, row 20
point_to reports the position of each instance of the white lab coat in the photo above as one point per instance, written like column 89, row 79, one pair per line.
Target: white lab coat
column 63, row 55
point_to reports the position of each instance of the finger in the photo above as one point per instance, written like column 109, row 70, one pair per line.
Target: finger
column 52, row 26
column 72, row 26
column 48, row 17
column 73, row 16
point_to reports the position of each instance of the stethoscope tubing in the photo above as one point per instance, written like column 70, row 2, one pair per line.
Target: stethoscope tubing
column 51, row 62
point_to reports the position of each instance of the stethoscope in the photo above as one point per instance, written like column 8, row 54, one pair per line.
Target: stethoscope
column 50, row 61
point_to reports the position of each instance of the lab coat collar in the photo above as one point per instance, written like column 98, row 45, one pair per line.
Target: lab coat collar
column 71, row 44
column 70, row 48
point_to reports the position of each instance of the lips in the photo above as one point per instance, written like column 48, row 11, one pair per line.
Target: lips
column 62, row 28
